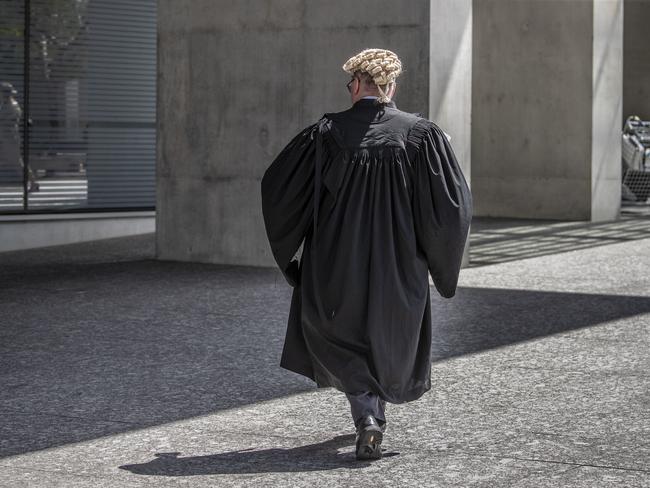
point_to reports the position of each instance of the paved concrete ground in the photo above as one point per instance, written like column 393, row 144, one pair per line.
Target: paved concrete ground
column 118, row 370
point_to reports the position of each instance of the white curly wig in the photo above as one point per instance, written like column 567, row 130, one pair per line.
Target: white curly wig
column 382, row 65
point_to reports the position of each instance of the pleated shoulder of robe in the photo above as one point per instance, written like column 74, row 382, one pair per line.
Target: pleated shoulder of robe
column 376, row 200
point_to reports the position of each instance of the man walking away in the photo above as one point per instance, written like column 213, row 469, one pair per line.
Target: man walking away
column 380, row 201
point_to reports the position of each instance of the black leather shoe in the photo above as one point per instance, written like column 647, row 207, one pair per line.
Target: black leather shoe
column 368, row 438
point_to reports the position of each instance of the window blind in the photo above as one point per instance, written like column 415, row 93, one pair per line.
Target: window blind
column 91, row 93
column 12, row 54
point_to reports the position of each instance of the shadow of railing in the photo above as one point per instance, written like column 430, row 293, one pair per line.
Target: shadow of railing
column 495, row 241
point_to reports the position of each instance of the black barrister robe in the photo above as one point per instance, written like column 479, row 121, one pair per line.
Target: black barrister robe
column 379, row 199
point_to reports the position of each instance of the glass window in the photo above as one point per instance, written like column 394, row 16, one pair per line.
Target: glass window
column 91, row 132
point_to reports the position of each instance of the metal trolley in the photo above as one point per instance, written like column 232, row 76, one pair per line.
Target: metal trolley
column 636, row 159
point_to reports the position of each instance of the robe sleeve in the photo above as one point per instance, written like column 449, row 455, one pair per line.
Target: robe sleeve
column 441, row 203
column 287, row 200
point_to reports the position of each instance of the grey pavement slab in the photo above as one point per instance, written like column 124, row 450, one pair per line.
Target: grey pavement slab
column 120, row 370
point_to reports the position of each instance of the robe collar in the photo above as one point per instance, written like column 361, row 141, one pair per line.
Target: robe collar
column 370, row 103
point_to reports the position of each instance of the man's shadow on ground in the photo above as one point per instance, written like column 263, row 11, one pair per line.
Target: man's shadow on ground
column 311, row 457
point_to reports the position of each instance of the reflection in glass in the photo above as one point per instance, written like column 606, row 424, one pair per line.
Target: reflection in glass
column 57, row 146
column 92, row 75
column 12, row 17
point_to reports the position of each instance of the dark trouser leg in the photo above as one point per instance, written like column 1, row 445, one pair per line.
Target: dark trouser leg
column 367, row 403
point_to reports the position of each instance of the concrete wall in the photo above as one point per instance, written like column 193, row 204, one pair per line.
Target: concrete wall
column 450, row 77
column 450, row 73
column 607, row 109
column 236, row 80
column 546, row 86
column 31, row 231
column 636, row 61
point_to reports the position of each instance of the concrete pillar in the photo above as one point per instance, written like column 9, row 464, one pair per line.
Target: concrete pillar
column 450, row 77
column 546, row 109
column 636, row 61
column 236, row 80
